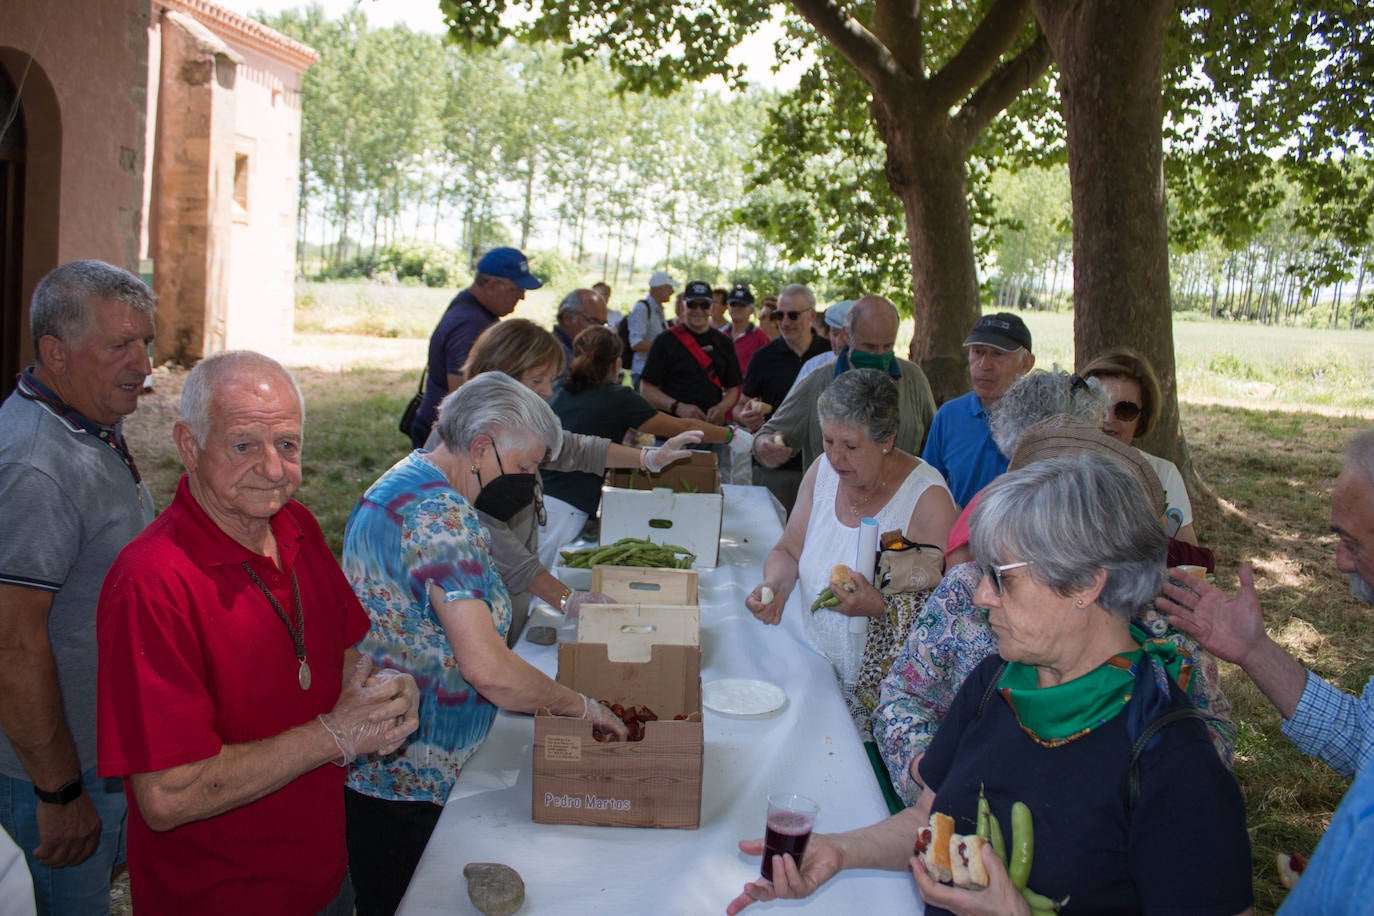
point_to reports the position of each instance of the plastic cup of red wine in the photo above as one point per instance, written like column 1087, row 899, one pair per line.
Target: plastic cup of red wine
column 790, row 819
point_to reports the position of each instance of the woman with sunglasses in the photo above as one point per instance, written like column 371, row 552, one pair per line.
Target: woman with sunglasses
column 514, row 510
column 1070, row 549
column 768, row 320
column 416, row 556
column 1134, row 389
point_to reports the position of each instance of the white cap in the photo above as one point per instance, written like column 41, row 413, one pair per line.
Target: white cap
column 661, row 278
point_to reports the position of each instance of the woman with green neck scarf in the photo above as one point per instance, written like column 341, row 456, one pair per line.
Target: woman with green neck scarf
column 1070, row 549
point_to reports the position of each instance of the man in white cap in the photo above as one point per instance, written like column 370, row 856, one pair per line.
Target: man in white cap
column 960, row 443
column 646, row 321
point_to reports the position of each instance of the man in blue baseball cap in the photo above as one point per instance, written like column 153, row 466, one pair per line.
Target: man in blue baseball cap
column 503, row 275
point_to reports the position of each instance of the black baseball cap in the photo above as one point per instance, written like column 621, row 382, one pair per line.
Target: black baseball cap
column 1003, row 330
column 740, row 293
column 696, row 290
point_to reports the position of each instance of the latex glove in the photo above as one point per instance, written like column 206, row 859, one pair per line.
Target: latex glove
column 675, row 449
column 372, row 719
column 603, row 718
column 574, row 602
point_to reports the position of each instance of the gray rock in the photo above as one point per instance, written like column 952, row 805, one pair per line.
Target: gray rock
column 493, row 888
column 542, row 636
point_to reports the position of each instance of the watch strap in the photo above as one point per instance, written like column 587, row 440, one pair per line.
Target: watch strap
column 63, row 796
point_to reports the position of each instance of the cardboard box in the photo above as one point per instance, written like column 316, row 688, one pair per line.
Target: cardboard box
column 630, row 631
column 681, row 505
column 646, row 585
column 655, row 782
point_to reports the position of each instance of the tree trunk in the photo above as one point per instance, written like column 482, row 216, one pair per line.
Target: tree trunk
column 1110, row 58
column 527, row 213
column 925, row 168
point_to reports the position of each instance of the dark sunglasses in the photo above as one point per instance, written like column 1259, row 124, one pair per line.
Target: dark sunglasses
column 790, row 316
column 1126, row 411
column 700, row 305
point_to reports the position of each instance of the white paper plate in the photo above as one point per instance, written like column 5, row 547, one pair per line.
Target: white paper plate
column 736, row 696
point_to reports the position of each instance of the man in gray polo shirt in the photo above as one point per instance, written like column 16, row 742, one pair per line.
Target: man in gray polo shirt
column 72, row 498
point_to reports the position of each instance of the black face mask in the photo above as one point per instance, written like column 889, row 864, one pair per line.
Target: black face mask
column 503, row 497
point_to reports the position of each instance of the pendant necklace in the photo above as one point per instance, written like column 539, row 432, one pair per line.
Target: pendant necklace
column 298, row 631
column 855, row 504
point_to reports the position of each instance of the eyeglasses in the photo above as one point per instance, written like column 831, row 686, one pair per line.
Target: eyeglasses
column 994, row 572
column 790, row 316
column 700, row 305
column 1126, row 411
column 767, row 316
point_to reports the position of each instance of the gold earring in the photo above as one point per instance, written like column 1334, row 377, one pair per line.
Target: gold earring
column 473, row 469
column 1079, row 603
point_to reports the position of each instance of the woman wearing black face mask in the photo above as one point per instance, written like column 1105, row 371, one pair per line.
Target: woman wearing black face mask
column 513, row 511
column 417, row 556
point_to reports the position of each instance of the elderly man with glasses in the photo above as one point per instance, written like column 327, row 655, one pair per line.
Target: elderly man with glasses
column 579, row 310
column 502, row 278
column 770, row 376
column 691, row 370
column 960, row 443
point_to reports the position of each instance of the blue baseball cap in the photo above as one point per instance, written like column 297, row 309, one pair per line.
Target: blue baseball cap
column 510, row 263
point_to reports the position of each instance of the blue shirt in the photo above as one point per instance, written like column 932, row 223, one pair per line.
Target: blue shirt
column 409, row 529
column 1338, row 880
column 1334, row 726
column 459, row 326
column 960, row 447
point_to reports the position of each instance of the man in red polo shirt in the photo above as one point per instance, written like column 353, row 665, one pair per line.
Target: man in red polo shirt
column 228, row 681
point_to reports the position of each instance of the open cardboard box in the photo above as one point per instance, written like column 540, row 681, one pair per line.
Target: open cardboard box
column 646, row 585
column 680, row 505
column 655, row 782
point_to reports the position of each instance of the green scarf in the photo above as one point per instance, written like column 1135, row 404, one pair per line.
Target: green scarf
column 1056, row 715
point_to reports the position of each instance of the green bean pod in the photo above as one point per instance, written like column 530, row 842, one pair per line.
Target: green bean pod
column 821, row 599
column 1022, row 845
column 983, row 830
column 999, row 845
column 1040, row 905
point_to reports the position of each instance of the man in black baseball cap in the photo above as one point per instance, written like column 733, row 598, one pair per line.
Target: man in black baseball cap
column 691, row 370
column 960, row 443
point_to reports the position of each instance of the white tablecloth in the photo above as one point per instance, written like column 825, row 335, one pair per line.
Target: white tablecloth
column 810, row 747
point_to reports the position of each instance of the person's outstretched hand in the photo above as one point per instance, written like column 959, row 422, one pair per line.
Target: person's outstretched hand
column 821, row 861
column 1231, row 627
column 675, row 449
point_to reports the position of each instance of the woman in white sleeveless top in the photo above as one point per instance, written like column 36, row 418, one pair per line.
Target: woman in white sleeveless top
column 860, row 475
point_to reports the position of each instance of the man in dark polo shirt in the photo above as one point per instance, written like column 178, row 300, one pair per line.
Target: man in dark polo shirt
column 771, row 373
column 503, row 275
column 691, row 370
